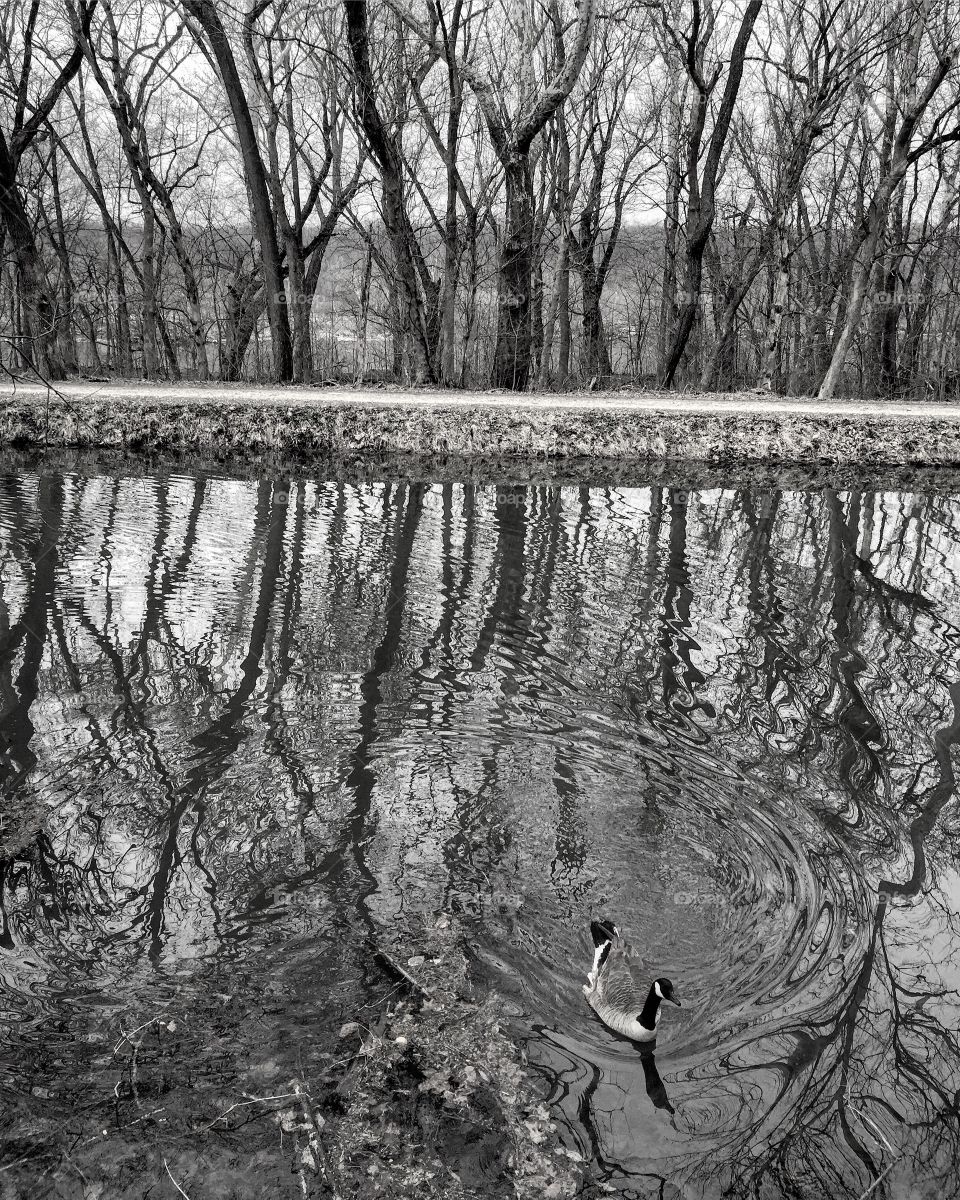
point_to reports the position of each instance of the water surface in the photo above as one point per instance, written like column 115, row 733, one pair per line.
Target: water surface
column 250, row 724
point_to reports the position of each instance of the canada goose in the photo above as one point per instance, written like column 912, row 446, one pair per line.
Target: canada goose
column 615, row 986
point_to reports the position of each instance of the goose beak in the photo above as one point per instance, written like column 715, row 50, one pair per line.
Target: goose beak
column 674, row 1000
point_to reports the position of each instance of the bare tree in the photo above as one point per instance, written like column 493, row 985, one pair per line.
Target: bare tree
column 397, row 222
column 512, row 135
column 610, row 160
column 692, row 42
column 300, row 87
column 908, row 99
column 29, row 118
column 114, row 64
column 211, row 36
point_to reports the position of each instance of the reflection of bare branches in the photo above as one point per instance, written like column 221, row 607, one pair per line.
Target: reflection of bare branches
column 821, row 1086
column 17, row 756
column 174, row 1182
column 940, row 795
column 361, row 779
column 883, row 590
column 279, row 741
column 247, row 709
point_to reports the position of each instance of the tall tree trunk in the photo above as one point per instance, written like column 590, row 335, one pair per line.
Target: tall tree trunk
column 512, row 141
column 302, row 308
column 148, row 312
column 596, row 358
column 918, row 315
column 702, row 183
column 40, row 342
column 865, row 243
column 472, row 289
column 671, row 227
column 887, row 312
column 448, row 296
column 786, row 245
column 398, row 329
column 511, row 364
column 720, row 369
column 364, row 311
column 244, row 304
column 536, row 316
column 395, row 217
column 451, row 246
column 198, row 336
column 734, row 284
column 65, row 327
column 563, row 316
column 553, row 308
column 33, row 286
column 122, row 323
column 264, row 224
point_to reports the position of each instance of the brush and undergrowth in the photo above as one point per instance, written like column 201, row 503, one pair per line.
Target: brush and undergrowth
column 424, row 1094
column 436, row 1101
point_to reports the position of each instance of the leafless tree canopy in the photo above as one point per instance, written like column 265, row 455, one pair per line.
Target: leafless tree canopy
column 524, row 193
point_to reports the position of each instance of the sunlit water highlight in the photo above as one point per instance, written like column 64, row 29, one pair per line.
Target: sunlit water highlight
column 246, row 724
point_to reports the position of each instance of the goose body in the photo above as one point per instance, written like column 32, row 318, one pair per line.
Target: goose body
column 616, row 987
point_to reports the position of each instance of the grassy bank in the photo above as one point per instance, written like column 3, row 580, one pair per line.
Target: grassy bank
column 302, row 424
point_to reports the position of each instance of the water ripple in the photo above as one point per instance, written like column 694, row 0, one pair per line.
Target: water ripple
column 244, row 720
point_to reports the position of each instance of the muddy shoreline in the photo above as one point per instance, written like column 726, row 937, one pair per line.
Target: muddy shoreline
column 614, row 438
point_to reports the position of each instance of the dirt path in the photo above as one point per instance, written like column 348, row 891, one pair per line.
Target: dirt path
column 748, row 403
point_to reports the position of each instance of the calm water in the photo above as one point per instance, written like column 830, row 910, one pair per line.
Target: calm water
column 248, row 724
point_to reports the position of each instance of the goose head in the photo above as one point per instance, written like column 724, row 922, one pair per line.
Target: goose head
column 648, row 1018
column 664, row 990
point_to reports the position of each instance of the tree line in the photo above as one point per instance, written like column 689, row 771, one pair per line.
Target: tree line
column 518, row 193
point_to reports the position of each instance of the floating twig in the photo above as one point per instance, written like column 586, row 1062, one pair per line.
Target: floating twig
column 879, row 1179
column 174, row 1182
column 878, row 1136
column 315, row 1143
column 401, row 972
column 127, row 1037
column 244, row 1104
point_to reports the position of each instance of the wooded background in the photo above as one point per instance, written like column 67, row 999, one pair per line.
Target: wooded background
column 518, row 193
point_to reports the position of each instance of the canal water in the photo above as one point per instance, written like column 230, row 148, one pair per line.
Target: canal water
column 248, row 724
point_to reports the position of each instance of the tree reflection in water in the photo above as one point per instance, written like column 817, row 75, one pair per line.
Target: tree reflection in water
column 247, row 724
